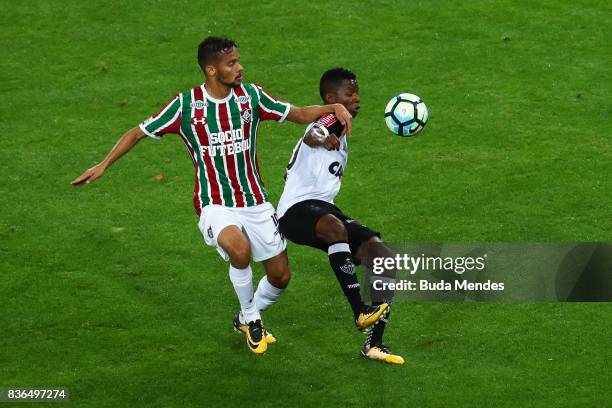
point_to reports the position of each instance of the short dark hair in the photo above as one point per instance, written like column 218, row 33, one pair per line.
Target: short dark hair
column 332, row 80
column 212, row 47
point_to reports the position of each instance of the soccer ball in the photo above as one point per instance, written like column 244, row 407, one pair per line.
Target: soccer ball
column 406, row 114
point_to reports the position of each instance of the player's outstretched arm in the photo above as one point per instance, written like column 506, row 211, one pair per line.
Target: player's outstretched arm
column 123, row 145
column 307, row 114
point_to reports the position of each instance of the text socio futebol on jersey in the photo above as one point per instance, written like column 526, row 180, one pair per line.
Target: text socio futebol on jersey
column 217, row 144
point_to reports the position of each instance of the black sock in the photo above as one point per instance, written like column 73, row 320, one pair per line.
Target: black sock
column 376, row 335
column 341, row 261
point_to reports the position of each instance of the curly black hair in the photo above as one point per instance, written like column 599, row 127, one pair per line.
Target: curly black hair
column 212, row 47
column 332, row 79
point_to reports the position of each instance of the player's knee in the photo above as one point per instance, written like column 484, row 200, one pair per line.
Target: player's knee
column 283, row 282
column 240, row 255
column 330, row 229
column 372, row 240
column 280, row 281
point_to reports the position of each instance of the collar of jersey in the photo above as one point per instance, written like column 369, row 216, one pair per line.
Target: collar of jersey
column 215, row 100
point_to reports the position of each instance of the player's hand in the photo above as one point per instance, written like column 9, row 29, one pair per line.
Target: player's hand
column 344, row 117
column 89, row 176
column 331, row 142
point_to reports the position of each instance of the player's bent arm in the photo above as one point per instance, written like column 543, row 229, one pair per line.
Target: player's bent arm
column 307, row 114
column 316, row 137
column 123, row 145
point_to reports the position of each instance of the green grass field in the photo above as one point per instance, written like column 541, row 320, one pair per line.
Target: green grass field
column 109, row 290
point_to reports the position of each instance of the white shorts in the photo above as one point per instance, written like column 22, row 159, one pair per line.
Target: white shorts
column 259, row 224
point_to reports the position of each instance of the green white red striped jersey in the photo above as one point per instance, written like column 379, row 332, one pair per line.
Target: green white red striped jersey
column 221, row 138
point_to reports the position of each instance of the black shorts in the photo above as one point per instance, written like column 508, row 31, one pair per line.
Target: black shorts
column 298, row 225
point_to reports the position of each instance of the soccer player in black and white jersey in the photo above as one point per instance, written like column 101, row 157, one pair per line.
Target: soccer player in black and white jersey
column 308, row 215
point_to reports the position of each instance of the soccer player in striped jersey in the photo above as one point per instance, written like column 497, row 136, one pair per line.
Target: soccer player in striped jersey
column 218, row 122
column 308, row 215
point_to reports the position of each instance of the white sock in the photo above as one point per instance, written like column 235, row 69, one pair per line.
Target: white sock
column 242, row 279
column 266, row 294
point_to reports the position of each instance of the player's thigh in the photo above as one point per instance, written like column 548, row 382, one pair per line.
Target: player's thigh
column 261, row 227
column 330, row 229
column 277, row 270
column 298, row 224
column 221, row 229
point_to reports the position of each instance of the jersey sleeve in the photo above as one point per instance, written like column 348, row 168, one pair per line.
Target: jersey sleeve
column 329, row 124
column 167, row 120
column 270, row 108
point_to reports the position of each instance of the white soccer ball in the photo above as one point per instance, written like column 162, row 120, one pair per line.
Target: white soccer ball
column 406, row 114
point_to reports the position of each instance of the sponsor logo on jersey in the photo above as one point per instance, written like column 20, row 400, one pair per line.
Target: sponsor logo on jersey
column 198, row 104
column 246, row 115
column 196, row 121
column 328, row 119
column 242, row 99
column 336, row 169
column 226, row 143
column 227, row 136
